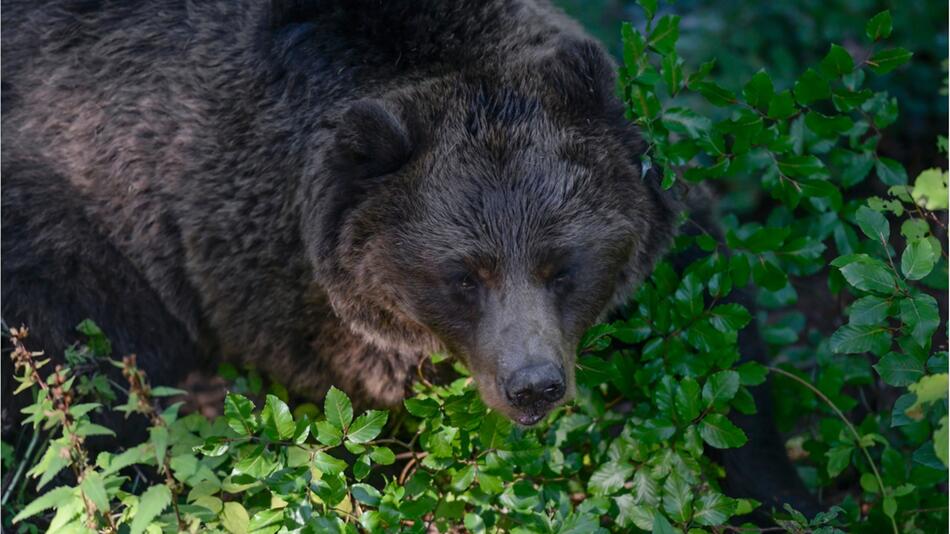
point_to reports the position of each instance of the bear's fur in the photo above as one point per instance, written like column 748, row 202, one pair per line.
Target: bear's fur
column 278, row 174
column 328, row 190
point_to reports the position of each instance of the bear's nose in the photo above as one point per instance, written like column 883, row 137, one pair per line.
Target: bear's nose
column 535, row 384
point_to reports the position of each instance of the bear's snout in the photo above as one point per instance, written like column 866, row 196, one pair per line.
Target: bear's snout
column 534, row 389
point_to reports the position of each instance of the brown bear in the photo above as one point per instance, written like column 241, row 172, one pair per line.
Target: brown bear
column 330, row 190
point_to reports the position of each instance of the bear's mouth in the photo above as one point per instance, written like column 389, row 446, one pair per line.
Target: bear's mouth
column 530, row 418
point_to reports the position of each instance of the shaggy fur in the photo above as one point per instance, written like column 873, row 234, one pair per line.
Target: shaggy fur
column 292, row 182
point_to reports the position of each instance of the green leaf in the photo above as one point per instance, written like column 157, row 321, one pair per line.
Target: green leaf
column 382, row 455
column 239, row 412
column 928, row 389
column 165, row 391
column 801, row 166
column 52, row 499
column 720, row 388
column 715, row 93
column 839, row 458
column 782, row 105
column 873, row 224
column 277, row 417
column 685, row 121
column 153, row 502
column 677, row 498
column 918, row 259
column 869, row 275
column 672, row 72
column 649, row 7
column 94, row 489
column 759, row 91
column 338, row 408
column 890, row 172
column 661, row 525
column 463, row 478
column 645, row 489
column 494, row 430
column 234, row 518
column 887, row 60
column 941, row 442
column 328, row 464
column 930, row 190
column 328, row 434
column 899, row 369
column 609, row 478
column 837, row 62
column 713, row 509
column 879, row 27
column 422, row 407
column 751, row 373
column 869, row 310
column 920, row 315
column 830, row 126
column 854, row 339
column 687, row 400
column 719, row 432
column 730, row 317
column 811, row 87
column 367, row 426
column 664, row 36
column 366, row 494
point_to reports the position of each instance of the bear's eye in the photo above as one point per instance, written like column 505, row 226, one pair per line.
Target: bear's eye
column 466, row 283
column 561, row 279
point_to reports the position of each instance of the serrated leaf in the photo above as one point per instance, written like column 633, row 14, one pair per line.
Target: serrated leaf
column 879, row 27
column 887, row 60
column 677, row 498
column 609, row 478
column 856, row 339
column 869, row 276
column 928, row 389
column 720, row 388
column 367, row 426
column 645, row 490
column 921, row 316
column 839, row 458
column 93, row 487
column 664, row 36
column 713, row 509
column 277, row 417
column 782, row 105
column 890, row 171
column 328, row 464
column 729, row 317
column 687, row 400
column 338, row 408
column 719, row 432
column 873, row 224
column 51, row 499
column 811, row 87
column 837, row 62
column 151, row 504
column 869, row 310
column 759, row 91
column 239, row 412
column 918, row 259
column 899, row 369
column 328, row 434
column 751, row 373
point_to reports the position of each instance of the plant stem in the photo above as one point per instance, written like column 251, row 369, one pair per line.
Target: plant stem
column 854, row 431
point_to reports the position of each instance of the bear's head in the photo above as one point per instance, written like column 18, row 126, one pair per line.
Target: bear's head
column 497, row 213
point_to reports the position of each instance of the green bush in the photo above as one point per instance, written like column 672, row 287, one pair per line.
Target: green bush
column 864, row 394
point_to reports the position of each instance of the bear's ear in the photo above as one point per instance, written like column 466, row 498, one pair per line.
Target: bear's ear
column 370, row 140
column 581, row 74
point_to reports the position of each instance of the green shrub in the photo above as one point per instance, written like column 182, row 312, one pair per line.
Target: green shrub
column 864, row 394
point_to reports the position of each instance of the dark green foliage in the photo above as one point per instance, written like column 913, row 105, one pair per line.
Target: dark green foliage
column 864, row 393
